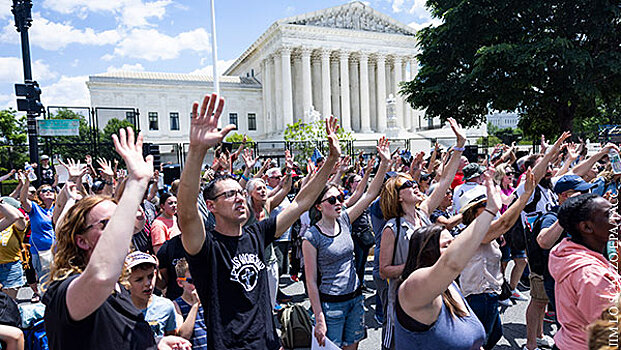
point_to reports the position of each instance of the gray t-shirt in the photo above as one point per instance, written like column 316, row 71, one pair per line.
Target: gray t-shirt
column 335, row 258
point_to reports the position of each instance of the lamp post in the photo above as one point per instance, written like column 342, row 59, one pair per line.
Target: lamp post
column 30, row 89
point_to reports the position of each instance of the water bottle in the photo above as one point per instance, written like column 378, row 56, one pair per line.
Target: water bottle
column 615, row 161
column 31, row 173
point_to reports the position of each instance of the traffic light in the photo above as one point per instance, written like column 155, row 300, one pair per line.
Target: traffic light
column 32, row 92
column 154, row 150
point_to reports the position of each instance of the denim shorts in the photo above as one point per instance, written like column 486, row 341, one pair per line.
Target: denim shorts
column 12, row 275
column 345, row 321
column 509, row 254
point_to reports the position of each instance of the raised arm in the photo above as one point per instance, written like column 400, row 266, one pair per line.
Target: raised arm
column 90, row 290
column 540, row 168
column 249, row 161
column 383, row 150
column 10, row 215
column 7, row 175
column 583, row 167
column 509, row 217
column 425, row 284
column 203, row 135
column 305, row 199
column 436, row 197
column 23, row 195
column 359, row 190
column 75, row 175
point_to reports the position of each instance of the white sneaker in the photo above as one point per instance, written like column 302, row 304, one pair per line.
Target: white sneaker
column 546, row 341
column 505, row 302
column 517, row 295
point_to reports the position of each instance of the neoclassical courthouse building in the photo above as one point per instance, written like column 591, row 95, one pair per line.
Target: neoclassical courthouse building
column 344, row 61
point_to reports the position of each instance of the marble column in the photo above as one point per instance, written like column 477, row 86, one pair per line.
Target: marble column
column 354, row 93
column 277, row 92
column 334, row 88
column 345, row 112
column 365, row 116
column 407, row 111
column 397, row 78
column 381, row 92
column 307, row 93
column 267, row 95
column 326, row 99
column 287, row 91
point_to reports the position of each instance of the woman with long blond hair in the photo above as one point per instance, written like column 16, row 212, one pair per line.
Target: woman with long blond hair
column 86, row 308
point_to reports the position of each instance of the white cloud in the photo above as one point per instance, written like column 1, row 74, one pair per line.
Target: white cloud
column 396, row 5
column 55, row 36
column 13, row 70
column 67, row 91
column 8, row 101
column 5, row 8
column 208, row 70
column 432, row 22
column 127, row 67
column 131, row 13
column 151, row 45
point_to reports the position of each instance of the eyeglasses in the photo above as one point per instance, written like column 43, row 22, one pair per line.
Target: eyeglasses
column 276, row 177
column 46, row 190
column 332, row 199
column 187, row 279
column 407, row 184
column 230, row 194
column 103, row 222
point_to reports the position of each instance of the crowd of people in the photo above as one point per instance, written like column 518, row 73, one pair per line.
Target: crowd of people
column 122, row 262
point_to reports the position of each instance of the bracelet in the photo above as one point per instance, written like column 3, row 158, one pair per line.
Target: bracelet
column 459, row 149
column 491, row 212
column 245, row 178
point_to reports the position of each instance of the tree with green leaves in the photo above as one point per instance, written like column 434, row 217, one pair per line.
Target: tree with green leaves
column 106, row 147
column 556, row 63
column 237, row 138
column 308, row 136
column 13, row 140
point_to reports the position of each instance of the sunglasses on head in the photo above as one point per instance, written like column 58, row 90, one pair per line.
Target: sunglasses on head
column 187, row 279
column 332, row 199
column 407, row 184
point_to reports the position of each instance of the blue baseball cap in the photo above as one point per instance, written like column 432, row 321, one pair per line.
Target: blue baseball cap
column 572, row 182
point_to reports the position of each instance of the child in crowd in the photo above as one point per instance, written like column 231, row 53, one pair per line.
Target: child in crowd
column 189, row 306
column 158, row 312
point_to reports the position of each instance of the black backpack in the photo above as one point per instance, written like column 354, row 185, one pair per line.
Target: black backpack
column 296, row 327
column 536, row 257
column 9, row 312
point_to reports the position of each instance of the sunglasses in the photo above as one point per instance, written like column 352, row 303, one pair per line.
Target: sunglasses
column 407, row 184
column 103, row 222
column 332, row 199
column 46, row 190
column 187, row 279
column 231, row 194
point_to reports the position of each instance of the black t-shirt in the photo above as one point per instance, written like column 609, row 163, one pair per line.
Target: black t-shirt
column 47, row 175
column 116, row 324
column 231, row 279
column 170, row 252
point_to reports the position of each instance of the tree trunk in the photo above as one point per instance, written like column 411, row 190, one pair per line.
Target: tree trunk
column 566, row 114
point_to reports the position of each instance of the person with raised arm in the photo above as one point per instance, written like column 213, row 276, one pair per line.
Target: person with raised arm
column 430, row 311
column 86, row 307
column 334, row 289
column 227, row 263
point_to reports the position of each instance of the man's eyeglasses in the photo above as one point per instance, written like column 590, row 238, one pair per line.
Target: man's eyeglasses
column 45, row 190
column 332, row 199
column 103, row 222
column 407, row 184
column 230, row 194
column 187, row 279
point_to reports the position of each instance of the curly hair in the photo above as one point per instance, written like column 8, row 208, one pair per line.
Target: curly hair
column 574, row 211
column 68, row 257
column 389, row 197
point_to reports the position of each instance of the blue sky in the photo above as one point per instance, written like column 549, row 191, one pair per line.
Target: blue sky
column 71, row 39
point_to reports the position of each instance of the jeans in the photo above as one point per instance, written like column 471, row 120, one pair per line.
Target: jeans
column 345, row 321
column 381, row 295
column 360, row 256
column 282, row 254
column 485, row 306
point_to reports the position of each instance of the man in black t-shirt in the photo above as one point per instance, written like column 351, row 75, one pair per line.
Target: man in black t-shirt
column 227, row 264
column 169, row 253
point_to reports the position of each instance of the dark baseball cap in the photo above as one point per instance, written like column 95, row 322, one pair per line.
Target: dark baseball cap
column 571, row 182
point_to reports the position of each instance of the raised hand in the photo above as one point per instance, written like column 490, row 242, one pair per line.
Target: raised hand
column 89, row 160
column 249, row 160
column 204, row 123
column 130, row 149
column 458, row 131
column 343, row 164
column 494, row 201
column 105, row 167
column 370, row 165
column 529, row 185
column 383, row 149
column 75, row 170
column 564, row 136
column 333, row 142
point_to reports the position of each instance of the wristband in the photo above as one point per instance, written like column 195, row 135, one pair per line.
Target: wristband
column 491, row 212
column 459, row 149
column 245, row 178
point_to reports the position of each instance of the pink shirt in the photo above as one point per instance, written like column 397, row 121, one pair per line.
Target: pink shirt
column 163, row 229
column 586, row 284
